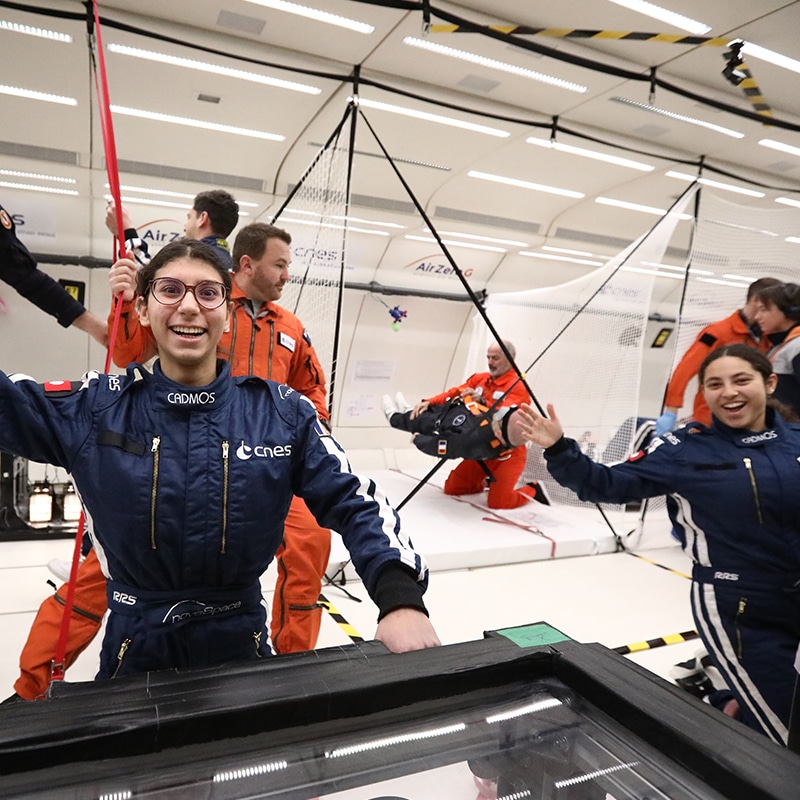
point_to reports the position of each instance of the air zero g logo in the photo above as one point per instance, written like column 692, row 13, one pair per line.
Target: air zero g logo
column 189, row 398
column 245, row 452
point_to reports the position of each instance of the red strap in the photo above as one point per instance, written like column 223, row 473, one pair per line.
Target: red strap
column 112, row 168
column 57, row 673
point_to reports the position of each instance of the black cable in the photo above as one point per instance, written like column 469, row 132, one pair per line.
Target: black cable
column 413, row 6
column 459, row 274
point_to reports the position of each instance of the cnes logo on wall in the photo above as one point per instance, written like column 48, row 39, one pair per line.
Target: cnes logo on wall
column 245, row 451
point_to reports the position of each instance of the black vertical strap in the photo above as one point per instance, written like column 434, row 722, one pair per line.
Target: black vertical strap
column 352, row 109
column 426, row 17
column 459, row 274
column 439, row 464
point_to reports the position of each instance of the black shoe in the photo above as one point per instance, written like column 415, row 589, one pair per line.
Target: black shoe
column 541, row 494
column 691, row 676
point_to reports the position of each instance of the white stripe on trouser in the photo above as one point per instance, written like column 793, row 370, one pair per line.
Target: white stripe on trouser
column 704, row 604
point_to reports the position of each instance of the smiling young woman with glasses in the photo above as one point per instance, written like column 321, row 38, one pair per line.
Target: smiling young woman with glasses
column 187, row 474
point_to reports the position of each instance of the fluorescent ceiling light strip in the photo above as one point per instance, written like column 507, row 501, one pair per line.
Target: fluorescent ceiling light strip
column 291, row 210
column 196, row 123
column 146, row 201
column 550, row 257
column 29, row 94
column 652, row 272
column 597, row 156
column 788, row 201
column 493, row 63
column 370, row 222
column 428, row 117
column 737, row 277
column 536, row 187
column 347, row 228
column 31, row 187
column 315, row 14
column 41, row 33
column 682, row 270
column 566, row 250
column 608, row 201
column 451, row 243
column 665, row 15
column 724, row 224
column 216, row 69
column 783, row 148
column 771, row 56
column 172, row 194
column 477, row 238
column 36, row 175
column 683, row 176
column 793, row 239
column 679, row 117
column 718, row 282
column 666, row 266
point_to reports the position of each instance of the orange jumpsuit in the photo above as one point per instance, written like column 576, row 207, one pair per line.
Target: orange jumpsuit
column 272, row 344
column 731, row 330
column 468, row 477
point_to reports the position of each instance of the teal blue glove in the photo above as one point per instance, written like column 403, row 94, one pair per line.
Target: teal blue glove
column 666, row 422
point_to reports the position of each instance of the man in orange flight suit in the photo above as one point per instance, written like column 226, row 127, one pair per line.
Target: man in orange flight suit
column 738, row 328
column 499, row 383
column 266, row 340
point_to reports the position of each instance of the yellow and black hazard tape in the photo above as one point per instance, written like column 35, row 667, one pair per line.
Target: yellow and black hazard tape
column 752, row 92
column 337, row 617
column 660, row 566
column 583, row 33
column 638, row 647
column 748, row 85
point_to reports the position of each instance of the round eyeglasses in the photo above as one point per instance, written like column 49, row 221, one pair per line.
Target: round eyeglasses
column 170, row 291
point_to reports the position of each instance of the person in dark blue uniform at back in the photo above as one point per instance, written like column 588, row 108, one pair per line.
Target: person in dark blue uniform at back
column 736, row 492
column 211, row 219
column 18, row 268
column 186, row 475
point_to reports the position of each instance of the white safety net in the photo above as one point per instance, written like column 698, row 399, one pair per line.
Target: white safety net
column 734, row 245
column 315, row 217
column 581, row 345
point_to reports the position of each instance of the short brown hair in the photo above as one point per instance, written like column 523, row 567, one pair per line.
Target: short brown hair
column 222, row 210
column 252, row 241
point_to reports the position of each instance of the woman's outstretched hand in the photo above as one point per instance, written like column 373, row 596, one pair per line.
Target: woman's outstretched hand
column 540, row 430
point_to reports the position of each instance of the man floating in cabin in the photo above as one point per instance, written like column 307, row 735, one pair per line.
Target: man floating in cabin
column 475, row 422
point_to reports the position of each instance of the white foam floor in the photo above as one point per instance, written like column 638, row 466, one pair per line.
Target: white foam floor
column 489, row 570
